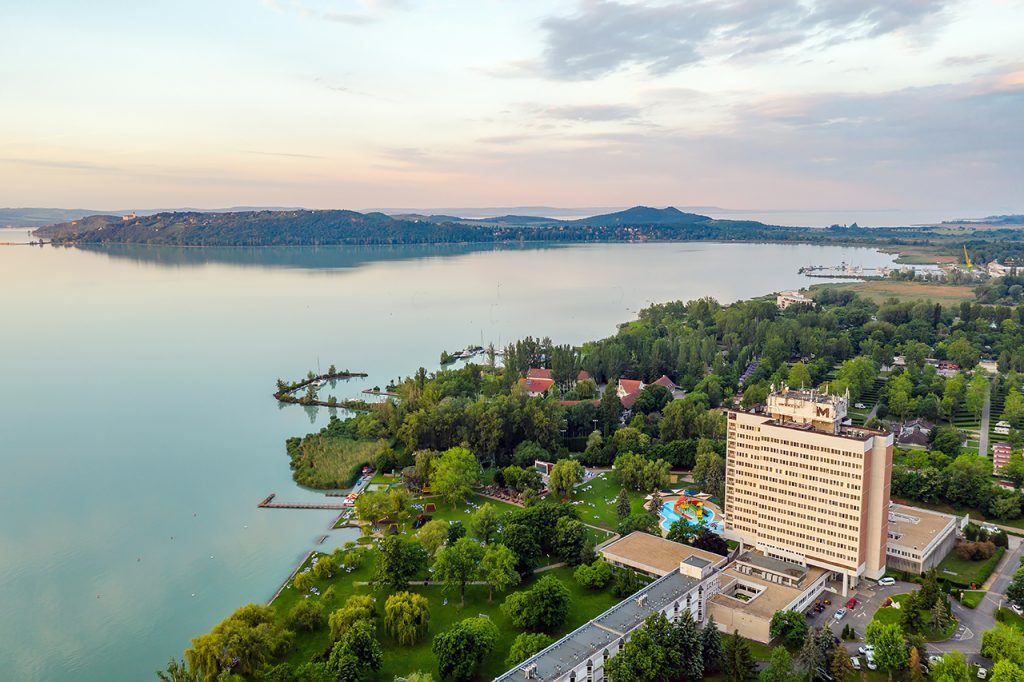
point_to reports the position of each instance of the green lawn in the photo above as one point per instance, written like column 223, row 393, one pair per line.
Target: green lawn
column 398, row 659
column 1008, row 617
column 595, row 507
column 971, row 598
column 963, row 572
column 891, row 616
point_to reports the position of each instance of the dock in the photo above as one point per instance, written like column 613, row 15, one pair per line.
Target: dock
column 268, row 503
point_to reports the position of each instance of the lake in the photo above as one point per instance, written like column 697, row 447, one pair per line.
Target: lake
column 138, row 431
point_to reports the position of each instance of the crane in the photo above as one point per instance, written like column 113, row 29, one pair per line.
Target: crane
column 967, row 259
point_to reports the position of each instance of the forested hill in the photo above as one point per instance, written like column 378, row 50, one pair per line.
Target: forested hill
column 294, row 227
column 302, row 227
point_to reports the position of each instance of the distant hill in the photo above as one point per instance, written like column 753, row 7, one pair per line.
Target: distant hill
column 644, row 215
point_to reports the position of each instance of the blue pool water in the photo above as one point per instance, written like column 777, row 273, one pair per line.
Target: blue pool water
column 670, row 516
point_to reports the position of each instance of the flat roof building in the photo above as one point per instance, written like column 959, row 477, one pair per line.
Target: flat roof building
column 655, row 556
column 919, row 539
column 803, row 487
column 788, row 298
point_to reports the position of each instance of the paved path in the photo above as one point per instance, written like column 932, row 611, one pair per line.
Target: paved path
column 983, row 435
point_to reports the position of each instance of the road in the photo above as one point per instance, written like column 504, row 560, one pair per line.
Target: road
column 985, row 413
column 967, row 638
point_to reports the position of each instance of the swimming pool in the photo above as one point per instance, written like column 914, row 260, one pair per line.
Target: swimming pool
column 669, row 516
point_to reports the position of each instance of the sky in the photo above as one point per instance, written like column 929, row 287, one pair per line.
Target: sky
column 754, row 104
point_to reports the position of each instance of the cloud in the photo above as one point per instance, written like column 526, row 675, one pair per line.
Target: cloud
column 61, row 165
column 339, row 12
column 591, row 112
column 606, row 35
column 286, row 155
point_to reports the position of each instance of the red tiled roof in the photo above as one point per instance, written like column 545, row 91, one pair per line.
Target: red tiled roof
column 577, row 402
column 536, row 385
column 584, row 375
column 538, row 373
column 628, row 399
column 631, row 385
column 663, row 380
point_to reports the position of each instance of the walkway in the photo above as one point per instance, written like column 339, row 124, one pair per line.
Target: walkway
column 983, row 436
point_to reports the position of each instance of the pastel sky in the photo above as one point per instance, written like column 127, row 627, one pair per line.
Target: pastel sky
column 812, row 104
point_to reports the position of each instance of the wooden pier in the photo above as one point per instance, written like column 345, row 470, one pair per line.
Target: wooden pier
column 267, row 503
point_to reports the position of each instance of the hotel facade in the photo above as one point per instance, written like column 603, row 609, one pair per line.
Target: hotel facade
column 803, row 487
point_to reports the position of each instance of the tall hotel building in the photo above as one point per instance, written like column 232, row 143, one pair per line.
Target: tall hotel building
column 802, row 487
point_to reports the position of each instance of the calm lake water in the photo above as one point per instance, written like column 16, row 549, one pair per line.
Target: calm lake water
column 138, row 433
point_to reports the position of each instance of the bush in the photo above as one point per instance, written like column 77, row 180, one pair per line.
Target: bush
column 306, row 616
column 627, row 582
column 526, row 645
column 545, row 606
column 976, row 551
column 593, row 576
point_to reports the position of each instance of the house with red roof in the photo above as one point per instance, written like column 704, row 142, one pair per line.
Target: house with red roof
column 628, row 391
column 536, row 386
column 539, row 373
column 584, row 375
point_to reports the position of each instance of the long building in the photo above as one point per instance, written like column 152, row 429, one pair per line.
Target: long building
column 802, row 487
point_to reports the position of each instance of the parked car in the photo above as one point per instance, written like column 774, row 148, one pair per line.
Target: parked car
column 982, row 673
column 933, row 659
column 872, row 665
column 886, row 581
column 840, row 613
column 867, row 649
column 851, row 602
column 1016, row 609
column 856, row 663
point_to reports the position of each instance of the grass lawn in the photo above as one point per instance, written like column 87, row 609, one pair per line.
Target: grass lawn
column 890, row 616
column 329, row 462
column 964, row 572
column 1008, row 617
column 971, row 598
column 594, row 507
column 880, row 290
column 400, row 660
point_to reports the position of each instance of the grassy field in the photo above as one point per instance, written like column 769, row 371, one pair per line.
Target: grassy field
column 880, row 290
column 399, row 659
column 920, row 255
column 964, row 572
column 592, row 500
column 329, row 462
column 890, row 616
column 971, row 598
column 1008, row 617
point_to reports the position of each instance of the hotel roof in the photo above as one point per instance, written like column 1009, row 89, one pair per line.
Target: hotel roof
column 915, row 528
column 656, row 554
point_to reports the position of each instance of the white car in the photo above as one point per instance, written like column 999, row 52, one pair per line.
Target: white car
column 867, row 649
column 982, row 673
column 840, row 613
column 871, row 664
column 886, row 581
column 1016, row 609
column 933, row 659
column 856, row 663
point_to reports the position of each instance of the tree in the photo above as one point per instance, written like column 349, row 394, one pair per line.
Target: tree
column 306, row 616
column 485, row 522
column 457, row 564
column 710, row 541
column 432, row 535
column 545, row 606
column 456, row 531
column 738, row 663
column 711, row 646
column 1001, row 643
column 683, row 532
column 840, row 666
column 406, row 616
column 947, row 439
column 526, row 645
column 653, row 398
column 303, row 581
column 790, row 627
column 178, row 670
column 709, row 471
column 564, row 476
column 398, row 561
column 650, row 655
column 640, row 521
column 571, row 543
column 890, row 645
column 610, row 408
column 593, row 576
column 521, row 540
column 357, row 644
column 952, row 667
column 622, row 505
column 461, row 649
column 799, row 376
column 911, row 618
column 780, row 667
column 1015, row 590
column 498, row 569
column 1006, row 671
column 358, row 607
column 901, row 401
column 977, row 389
column 689, row 642
column 1013, row 408
column 454, row 474
column 243, row 642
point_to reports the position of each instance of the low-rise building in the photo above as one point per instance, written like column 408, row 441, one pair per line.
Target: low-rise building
column 788, row 298
column 655, row 556
column 916, row 432
column 919, row 539
column 1000, row 456
column 535, row 386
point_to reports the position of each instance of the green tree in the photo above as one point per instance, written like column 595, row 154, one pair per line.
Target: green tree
column 952, row 667
column 306, row 616
column 689, row 643
column 593, row 576
column 711, row 646
column 640, row 521
column 498, row 569
column 358, row 607
column 890, row 645
column 610, row 408
column 360, row 645
column 243, row 642
column 398, row 561
column 526, row 645
column 780, row 667
column 454, row 474
column 1015, row 590
column 564, row 476
column 799, row 376
column 790, row 627
column 571, row 543
column 485, row 522
column 738, row 663
column 545, row 606
column 977, row 389
column 1013, row 408
column 406, row 617
column 458, row 564
column 650, row 655
column 622, row 505
column 432, row 535
column 1007, row 671
column 840, row 666
column 178, row 670
column 461, row 649
column 1000, row 643
column 901, row 400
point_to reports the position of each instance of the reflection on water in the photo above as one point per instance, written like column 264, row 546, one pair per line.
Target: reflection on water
column 138, row 431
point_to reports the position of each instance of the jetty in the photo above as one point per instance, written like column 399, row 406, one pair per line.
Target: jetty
column 268, row 503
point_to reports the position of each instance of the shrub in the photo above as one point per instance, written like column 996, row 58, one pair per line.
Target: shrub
column 593, row 576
